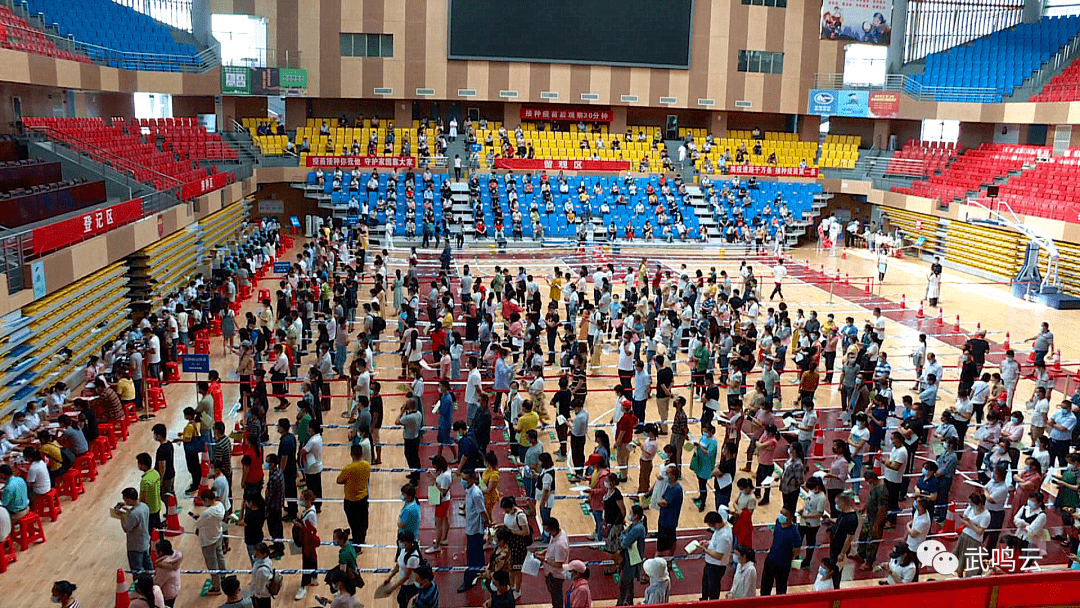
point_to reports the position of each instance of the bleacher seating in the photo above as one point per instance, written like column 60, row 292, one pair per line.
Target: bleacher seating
column 789, row 150
column 127, row 150
column 974, row 169
column 144, row 42
column 269, row 145
column 840, row 151
column 185, row 136
column 566, row 144
column 1000, row 61
column 340, row 139
column 1062, row 87
column 922, row 158
column 1050, row 189
column 17, row 35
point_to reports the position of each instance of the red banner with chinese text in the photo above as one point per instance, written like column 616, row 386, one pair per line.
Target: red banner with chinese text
column 537, row 164
column 72, row 230
column 200, row 187
column 770, row 171
column 380, row 162
column 565, row 113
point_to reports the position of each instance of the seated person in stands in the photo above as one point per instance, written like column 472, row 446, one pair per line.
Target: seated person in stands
column 531, row 153
column 324, row 129
column 483, row 124
column 549, row 205
column 707, row 146
column 704, row 238
column 355, row 148
column 337, row 183
column 643, row 165
column 615, row 145
column 772, row 159
column 597, row 190
column 706, row 183
column 371, row 148
column 802, row 164
column 620, row 200
column 429, row 179
column 373, row 182
column 612, row 231
column 629, row 231
column 639, row 209
column 474, row 186
column 527, row 186
column 740, row 156
column 600, row 145
column 564, row 188
column 511, row 179
column 354, row 205
column 648, row 232
column 480, row 227
column 785, row 213
column 429, row 194
column 320, row 177
column 444, row 192
column 262, row 129
column 290, row 147
column 706, row 166
column 499, row 235
column 489, row 139
column 757, row 148
column 604, row 208
column 517, row 231
column 666, row 233
column 374, row 122
column 766, row 211
column 653, row 199
column 657, row 137
column 390, row 134
column 493, row 185
column 305, row 146
column 584, row 144
column 681, row 231
column 388, row 148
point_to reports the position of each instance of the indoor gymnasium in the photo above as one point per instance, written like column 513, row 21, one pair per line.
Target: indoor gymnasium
column 492, row 304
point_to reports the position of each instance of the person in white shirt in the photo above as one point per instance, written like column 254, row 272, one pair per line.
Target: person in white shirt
column 1030, row 519
column 16, row 428
column 1040, row 407
column 1010, row 374
column 779, row 272
column 893, row 469
column 311, row 457
column 717, row 553
column 744, row 583
column 38, row 482
column 976, row 519
column 208, row 528
column 919, row 526
column 903, row 565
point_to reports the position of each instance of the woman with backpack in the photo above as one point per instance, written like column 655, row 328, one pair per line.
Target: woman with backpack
column 516, row 520
column 265, row 581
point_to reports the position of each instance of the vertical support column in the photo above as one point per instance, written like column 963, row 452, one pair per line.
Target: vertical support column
column 1032, row 11
column 898, row 40
column 200, row 21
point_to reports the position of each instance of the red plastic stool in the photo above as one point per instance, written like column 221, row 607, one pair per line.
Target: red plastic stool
column 7, row 554
column 202, row 346
column 47, row 505
column 27, row 530
column 202, row 334
column 215, row 326
column 264, row 294
column 70, row 484
column 172, row 372
column 131, row 416
column 245, row 292
column 101, row 448
column 86, row 466
column 181, row 349
column 156, row 398
column 111, row 432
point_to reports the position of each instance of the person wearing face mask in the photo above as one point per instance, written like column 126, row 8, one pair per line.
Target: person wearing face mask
column 632, row 551
column 786, row 542
column 1068, row 483
column 703, row 462
column 717, row 554
column 987, row 435
column 1061, row 426
column 476, row 521
column 975, row 520
column 1014, row 432
column 873, row 524
column 828, row 576
column 793, row 476
column 919, row 527
column 766, row 450
column 745, row 504
column 744, row 583
column 1028, row 483
column 996, row 492
column 670, row 505
column 893, row 469
column 614, row 512
column 1010, row 375
column 810, row 514
column 63, row 593
column 946, row 463
column 406, row 562
column 1030, row 520
column 859, row 445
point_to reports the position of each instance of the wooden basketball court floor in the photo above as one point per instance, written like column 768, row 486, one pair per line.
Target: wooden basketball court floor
column 86, row 546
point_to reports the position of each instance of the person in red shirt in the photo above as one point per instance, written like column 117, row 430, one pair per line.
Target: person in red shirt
column 438, row 337
column 624, row 429
column 218, row 396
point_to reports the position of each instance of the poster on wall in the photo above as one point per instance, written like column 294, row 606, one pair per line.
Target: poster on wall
column 854, row 103
column 866, row 21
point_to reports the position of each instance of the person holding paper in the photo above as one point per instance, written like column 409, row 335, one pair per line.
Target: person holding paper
column 717, row 554
column 632, row 545
column 553, row 557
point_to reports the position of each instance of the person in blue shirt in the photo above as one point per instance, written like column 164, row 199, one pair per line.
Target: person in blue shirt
column 504, row 372
column 786, row 542
column 670, row 508
column 14, row 497
column 928, row 395
column 446, row 418
column 1061, row 424
column 409, row 518
column 703, row 462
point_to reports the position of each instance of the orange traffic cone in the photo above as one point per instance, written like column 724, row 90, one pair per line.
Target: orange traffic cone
column 1006, row 345
column 154, row 537
column 172, row 517
column 204, row 484
column 903, row 301
column 819, row 442
column 843, row 256
column 866, row 290
column 978, row 327
column 122, row 599
column 940, row 316
column 956, row 327
column 876, row 467
column 1031, row 357
column 950, row 520
column 920, row 314
column 1057, row 363
column 847, row 279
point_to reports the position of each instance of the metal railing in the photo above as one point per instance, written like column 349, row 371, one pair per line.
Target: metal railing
column 204, row 61
column 907, row 85
column 267, row 58
column 1037, row 81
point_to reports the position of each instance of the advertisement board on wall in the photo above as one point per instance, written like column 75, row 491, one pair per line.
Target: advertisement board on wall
column 866, row 21
column 854, row 103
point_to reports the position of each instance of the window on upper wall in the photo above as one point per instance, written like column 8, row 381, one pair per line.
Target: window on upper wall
column 367, row 45
column 761, row 62
column 775, row 3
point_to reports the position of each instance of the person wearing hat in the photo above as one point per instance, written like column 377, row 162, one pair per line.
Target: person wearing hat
column 903, row 566
column 717, row 553
column 659, row 587
column 579, row 595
